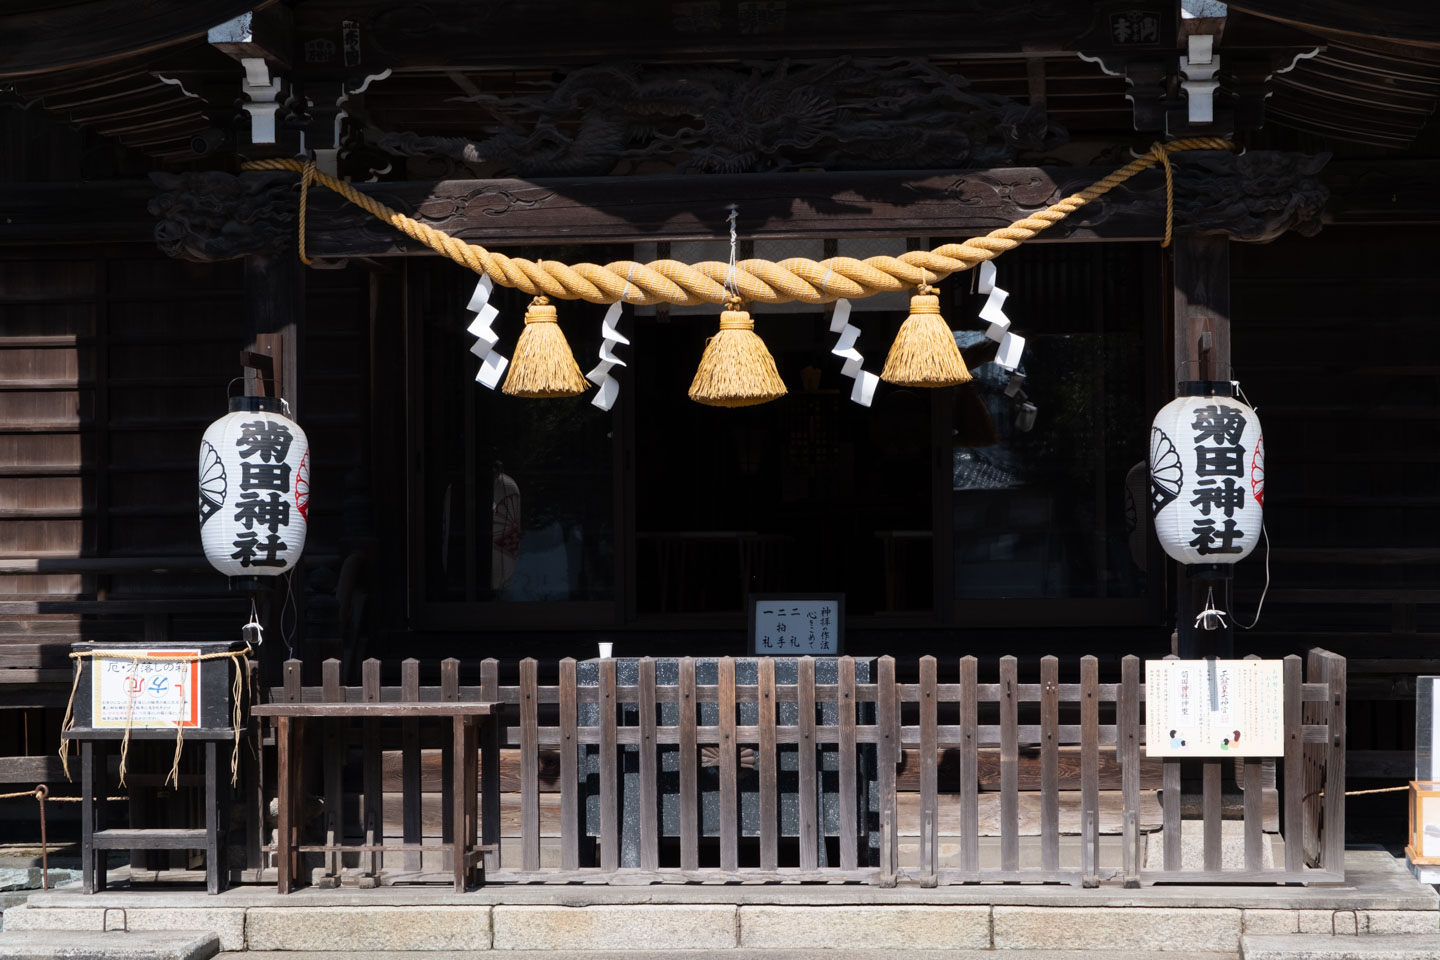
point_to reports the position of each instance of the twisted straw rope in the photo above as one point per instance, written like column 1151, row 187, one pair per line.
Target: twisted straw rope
column 756, row 281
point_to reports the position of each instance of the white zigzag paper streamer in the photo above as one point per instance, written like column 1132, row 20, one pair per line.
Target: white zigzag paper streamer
column 863, row 392
column 492, row 364
column 1011, row 345
column 600, row 376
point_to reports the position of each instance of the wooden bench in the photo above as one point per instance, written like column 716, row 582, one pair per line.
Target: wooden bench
column 289, row 720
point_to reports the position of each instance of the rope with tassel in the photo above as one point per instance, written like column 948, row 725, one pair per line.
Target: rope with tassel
column 237, row 691
column 755, row 280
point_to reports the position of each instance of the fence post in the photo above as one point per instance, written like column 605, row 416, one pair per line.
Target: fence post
column 929, row 785
column 1294, row 770
column 490, row 738
column 887, row 721
column 1090, row 771
column 1334, row 816
column 572, row 822
column 1127, row 740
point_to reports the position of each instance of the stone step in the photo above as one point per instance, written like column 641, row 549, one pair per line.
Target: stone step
column 1351, row 947
column 113, row 945
column 821, row 953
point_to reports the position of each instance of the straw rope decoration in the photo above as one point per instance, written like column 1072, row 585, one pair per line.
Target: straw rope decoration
column 754, row 280
column 237, row 691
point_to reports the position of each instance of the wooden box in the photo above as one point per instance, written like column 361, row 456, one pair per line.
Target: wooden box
column 1424, row 845
column 153, row 696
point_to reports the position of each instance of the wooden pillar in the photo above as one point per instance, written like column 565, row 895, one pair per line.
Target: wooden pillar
column 1200, row 280
column 274, row 303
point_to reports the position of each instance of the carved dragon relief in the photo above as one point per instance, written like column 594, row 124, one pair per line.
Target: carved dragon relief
column 759, row 116
column 1254, row 197
column 216, row 216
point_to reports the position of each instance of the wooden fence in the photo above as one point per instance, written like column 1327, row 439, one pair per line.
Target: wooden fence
column 679, row 780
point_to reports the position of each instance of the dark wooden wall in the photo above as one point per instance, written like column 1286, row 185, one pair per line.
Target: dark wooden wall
column 1335, row 340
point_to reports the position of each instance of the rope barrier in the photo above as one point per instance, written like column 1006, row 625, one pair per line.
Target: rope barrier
column 756, row 281
column 236, row 691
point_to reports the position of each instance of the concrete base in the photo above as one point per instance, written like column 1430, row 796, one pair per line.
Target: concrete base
column 93, row 945
column 1340, row 948
column 1026, row 920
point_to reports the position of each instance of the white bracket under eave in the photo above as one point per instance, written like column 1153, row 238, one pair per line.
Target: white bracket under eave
column 262, row 89
column 1198, row 71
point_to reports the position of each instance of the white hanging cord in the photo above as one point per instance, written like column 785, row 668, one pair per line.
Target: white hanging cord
column 1011, row 345
column 1212, row 617
column 732, row 219
column 1265, row 534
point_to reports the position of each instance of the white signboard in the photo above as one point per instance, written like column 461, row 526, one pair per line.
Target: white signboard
column 797, row 625
column 147, row 694
column 1214, row 708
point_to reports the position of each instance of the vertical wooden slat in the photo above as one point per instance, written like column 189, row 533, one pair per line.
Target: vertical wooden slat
column 254, row 776
column 372, row 771
column 212, row 817
column 456, row 801
column 969, row 768
column 1171, row 814
column 1127, row 741
column 848, row 805
column 729, row 793
column 1171, row 808
column 571, row 827
column 529, row 766
column 887, row 717
column 1313, row 757
column 609, row 771
column 1254, row 815
column 809, row 784
column 449, row 692
column 768, row 763
column 1294, row 771
column 292, row 734
column 334, row 761
column 1334, row 848
column 1009, row 768
column 1050, row 763
column 649, row 780
column 689, row 770
column 1090, row 770
column 1210, row 812
column 490, row 765
column 929, row 779
column 284, row 839
column 411, row 812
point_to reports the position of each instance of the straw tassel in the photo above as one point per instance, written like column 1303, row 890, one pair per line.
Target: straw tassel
column 543, row 365
column 924, row 353
column 736, row 369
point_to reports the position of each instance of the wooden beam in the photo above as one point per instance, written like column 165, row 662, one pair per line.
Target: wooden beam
column 1201, row 313
column 619, row 209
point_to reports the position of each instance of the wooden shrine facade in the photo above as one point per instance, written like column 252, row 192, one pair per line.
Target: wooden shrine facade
column 137, row 264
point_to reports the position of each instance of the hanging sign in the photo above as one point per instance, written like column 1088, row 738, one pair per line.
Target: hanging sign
column 254, row 489
column 797, row 624
column 147, row 694
column 1207, row 475
column 1214, row 708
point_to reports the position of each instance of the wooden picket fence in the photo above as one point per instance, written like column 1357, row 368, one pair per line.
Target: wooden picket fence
column 713, row 755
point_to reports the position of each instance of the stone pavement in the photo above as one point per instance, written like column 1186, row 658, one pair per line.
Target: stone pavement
column 1379, row 898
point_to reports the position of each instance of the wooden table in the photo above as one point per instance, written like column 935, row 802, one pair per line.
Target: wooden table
column 289, row 720
column 96, row 839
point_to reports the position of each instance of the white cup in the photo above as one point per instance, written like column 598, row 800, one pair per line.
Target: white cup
column 605, row 650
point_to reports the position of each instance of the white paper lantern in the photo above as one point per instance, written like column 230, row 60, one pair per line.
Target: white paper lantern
column 254, row 489
column 1207, row 477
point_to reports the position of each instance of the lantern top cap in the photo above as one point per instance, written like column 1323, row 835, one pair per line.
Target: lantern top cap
column 1205, row 388
column 257, row 405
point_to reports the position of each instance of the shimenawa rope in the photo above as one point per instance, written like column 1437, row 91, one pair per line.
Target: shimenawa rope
column 755, row 281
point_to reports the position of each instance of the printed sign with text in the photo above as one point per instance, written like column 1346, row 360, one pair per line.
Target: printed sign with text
column 797, row 625
column 147, row 694
column 1214, row 708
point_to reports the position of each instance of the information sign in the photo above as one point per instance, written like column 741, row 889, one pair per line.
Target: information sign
column 797, row 624
column 147, row 694
column 1214, row 708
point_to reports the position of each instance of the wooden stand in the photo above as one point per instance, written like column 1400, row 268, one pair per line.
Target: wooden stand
column 289, row 720
column 96, row 839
